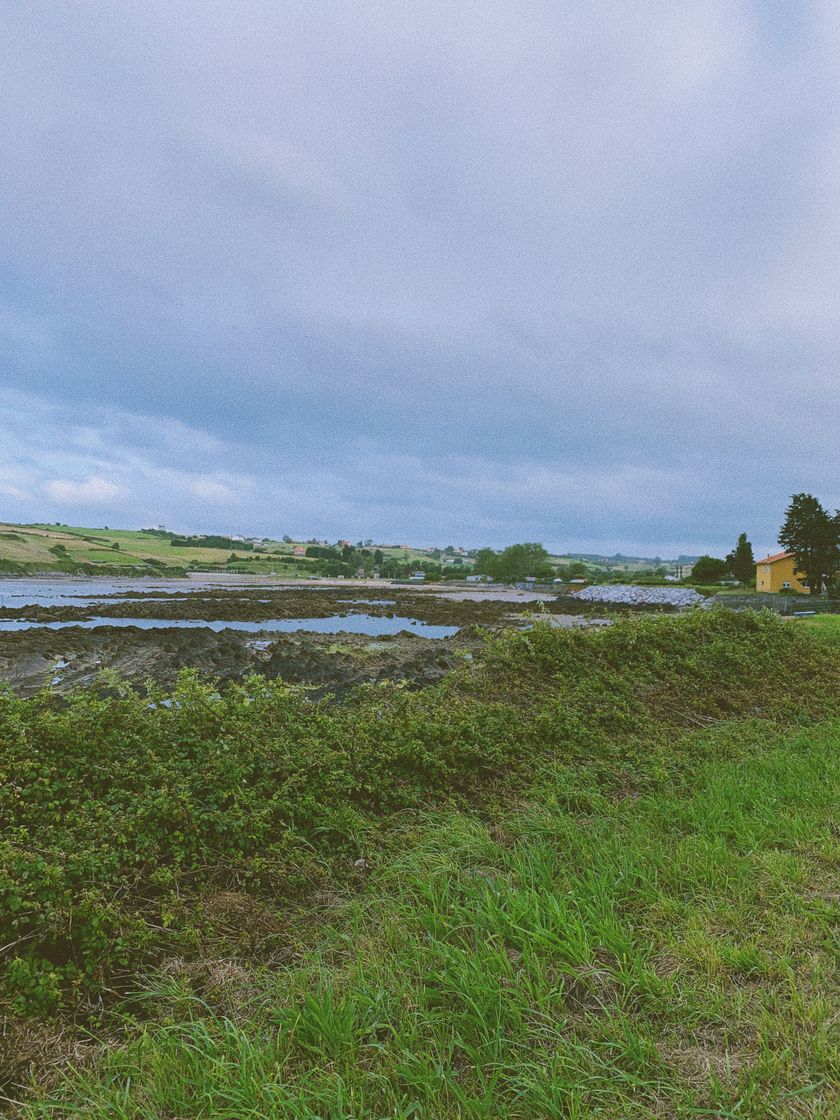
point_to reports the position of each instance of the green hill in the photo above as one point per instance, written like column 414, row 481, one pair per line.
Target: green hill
column 46, row 549
column 34, row 549
column 30, row 549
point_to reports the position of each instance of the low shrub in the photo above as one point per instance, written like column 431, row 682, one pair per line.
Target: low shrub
column 115, row 808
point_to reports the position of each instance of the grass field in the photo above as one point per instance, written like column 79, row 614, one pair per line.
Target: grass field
column 599, row 880
column 825, row 625
column 30, row 549
column 636, row 955
column 35, row 548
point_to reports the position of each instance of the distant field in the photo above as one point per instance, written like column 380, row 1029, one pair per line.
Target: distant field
column 34, row 548
column 31, row 549
column 27, row 549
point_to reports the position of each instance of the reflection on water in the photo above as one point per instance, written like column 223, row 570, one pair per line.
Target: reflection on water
column 336, row 624
column 78, row 592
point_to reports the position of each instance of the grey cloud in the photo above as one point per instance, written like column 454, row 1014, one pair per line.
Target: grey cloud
column 489, row 270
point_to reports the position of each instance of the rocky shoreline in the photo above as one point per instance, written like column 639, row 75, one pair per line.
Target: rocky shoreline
column 77, row 656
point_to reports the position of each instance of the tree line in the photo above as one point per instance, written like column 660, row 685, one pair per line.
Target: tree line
column 809, row 532
column 739, row 564
column 812, row 534
column 515, row 562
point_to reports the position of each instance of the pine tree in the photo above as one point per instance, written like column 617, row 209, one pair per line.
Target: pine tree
column 813, row 536
column 741, row 560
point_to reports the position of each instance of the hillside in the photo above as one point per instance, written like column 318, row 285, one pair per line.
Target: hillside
column 34, row 549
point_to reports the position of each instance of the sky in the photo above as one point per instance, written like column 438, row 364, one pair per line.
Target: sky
column 466, row 272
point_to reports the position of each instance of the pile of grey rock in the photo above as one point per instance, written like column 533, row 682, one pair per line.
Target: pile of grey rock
column 641, row 596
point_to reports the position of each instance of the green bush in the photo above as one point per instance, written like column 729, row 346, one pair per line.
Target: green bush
column 117, row 808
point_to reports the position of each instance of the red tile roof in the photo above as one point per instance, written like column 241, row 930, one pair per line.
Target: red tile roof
column 776, row 556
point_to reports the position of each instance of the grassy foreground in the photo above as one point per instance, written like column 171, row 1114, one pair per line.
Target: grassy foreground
column 599, row 880
column 825, row 625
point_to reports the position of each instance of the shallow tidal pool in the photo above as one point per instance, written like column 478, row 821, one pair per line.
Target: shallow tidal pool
column 336, row 624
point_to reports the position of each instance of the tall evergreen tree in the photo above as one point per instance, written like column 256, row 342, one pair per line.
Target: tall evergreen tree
column 741, row 560
column 813, row 536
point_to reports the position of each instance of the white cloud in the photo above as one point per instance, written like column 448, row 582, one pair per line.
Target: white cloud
column 211, row 490
column 92, row 491
column 9, row 490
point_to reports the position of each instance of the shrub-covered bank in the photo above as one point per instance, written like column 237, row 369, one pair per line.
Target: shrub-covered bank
column 131, row 834
column 594, row 952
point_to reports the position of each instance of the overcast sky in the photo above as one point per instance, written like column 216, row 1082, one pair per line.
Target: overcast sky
column 449, row 271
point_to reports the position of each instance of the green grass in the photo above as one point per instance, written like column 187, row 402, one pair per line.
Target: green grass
column 105, row 556
column 825, row 625
column 717, row 589
column 600, row 882
column 29, row 547
column 665, row 954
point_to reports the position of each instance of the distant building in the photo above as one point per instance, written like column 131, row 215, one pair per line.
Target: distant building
column 479, row 579
column 417, row 576
column 778, row 573
column 682, row 571
column 298, row 550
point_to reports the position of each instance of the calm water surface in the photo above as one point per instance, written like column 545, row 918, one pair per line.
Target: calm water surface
column 78, row 592
column 336, row 624
column 82, row 592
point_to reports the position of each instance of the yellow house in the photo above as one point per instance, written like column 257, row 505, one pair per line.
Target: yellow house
column 777, row 573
